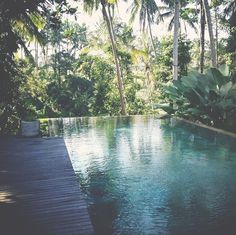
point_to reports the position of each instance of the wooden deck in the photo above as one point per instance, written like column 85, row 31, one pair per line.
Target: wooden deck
column 39, row 193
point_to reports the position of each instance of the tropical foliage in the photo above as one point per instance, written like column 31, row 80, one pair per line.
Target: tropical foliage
column 53, row 66
column 209, row 98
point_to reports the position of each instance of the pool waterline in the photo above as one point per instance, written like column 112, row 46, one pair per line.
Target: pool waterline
column 141, row 175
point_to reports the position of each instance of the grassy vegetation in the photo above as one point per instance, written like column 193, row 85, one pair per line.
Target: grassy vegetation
column 54, row 67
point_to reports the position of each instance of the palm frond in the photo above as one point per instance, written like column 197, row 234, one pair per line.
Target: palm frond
column 166, row 14
column 192, row 25
column 38, row 20
column 171, row 24
column 230, row 9
column 90, row 5
column 31, row 28
column 26, row 50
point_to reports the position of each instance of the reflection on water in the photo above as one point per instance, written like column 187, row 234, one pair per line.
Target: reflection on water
column 141, row 175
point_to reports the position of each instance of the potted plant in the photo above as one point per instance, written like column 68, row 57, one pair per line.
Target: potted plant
column 30, row 125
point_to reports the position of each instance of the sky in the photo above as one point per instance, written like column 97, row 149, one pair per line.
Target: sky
column 123, row 15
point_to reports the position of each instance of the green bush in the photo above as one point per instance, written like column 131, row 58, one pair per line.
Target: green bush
column 209, row 98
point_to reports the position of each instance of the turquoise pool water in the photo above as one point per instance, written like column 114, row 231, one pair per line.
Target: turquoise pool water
column 141, row 175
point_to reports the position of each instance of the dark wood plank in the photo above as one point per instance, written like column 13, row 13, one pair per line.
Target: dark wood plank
column 39, row 193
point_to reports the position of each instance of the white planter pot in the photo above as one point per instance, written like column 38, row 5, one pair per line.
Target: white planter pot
column 30, row 128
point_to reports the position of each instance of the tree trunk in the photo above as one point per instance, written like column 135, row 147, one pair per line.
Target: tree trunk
column 59, row 62
column 117, row 63
column 151, row 36
column 36, row 56
column 202, row 37
column 110, row 16
column 216, row 19
column 46, row 54
column 21, row 52
column 211, row 36
column 175, row 43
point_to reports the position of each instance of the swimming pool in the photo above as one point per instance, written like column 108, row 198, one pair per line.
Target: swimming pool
column 141, row 175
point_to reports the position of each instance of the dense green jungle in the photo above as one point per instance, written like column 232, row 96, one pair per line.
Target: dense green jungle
column 52, row 64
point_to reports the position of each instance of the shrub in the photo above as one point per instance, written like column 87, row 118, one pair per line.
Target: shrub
column 209, row 98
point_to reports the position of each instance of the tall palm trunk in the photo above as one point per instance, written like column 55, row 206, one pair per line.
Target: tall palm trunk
column 211, row 36
column 150, row 33
column 216, row 20
column 21, row 52
column 36, row 57
column 46, row 54
column 202, row 37
column 59, row 62
column 175, row 44
column 117, row 62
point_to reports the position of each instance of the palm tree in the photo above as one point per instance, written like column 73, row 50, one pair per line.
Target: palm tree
column 179, row 11
column 106, row 12
column 230, row 10
column 147, row 10
column 211, row 36
column 230, row 18
column 175, row 43
column 202, row 35
column 187, row 14
column 216, row 5
column 26, row 29
column 13, row 16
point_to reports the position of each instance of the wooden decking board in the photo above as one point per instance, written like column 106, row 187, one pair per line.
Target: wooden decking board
column 39, row 193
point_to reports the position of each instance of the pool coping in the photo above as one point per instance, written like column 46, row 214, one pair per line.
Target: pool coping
column 228, row 133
